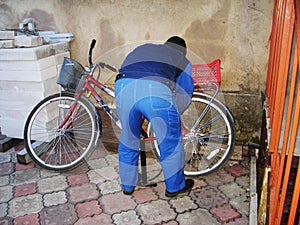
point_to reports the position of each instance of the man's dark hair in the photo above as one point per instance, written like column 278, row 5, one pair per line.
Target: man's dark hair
column 178, row 43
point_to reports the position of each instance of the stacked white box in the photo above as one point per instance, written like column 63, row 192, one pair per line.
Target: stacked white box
column 27, row 75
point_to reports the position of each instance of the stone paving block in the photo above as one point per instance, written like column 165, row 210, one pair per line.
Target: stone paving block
column 6, row 193
column 109, row 187
column 87, row 209
column 55, row 198
column 198, row 216
column 14, row 158
column 155, row 212
column 183, row 204
column 25, row 189
column 154, row 173
column 199, row 183
column 237, row 170
column 243, row 181
column 108, row 173
column 92, row 197
column 97, row 163
column 3, row 210
column 218, row 178
column 4, row 158
column 245, row 163
column 232, row 190
column 33, row 219
column 6, row 221
column 24, row 167
column 52, row 184
column 4, row 180
column 82, row 193
column 114, row 203
column 171, row 222
column 239, row 221
column 78, row 179
column 241, row 203
column 29, row 204
column 144, row 195
column 95, row 220
column 60, row 214
column 48, row 173
column 225, row 213
column 25, row 176
column 126, row 218
column 160, row 189
column 95, row 177
column 83, row 168
column 112, row 160
column 209, row 197
column 6, row 168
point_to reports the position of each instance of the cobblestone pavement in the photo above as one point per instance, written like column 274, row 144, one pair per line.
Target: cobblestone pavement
column 91, row 194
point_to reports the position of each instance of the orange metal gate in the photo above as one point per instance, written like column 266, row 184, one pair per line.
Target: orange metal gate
column 283, row 107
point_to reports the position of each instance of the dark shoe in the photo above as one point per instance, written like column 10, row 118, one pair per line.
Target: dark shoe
column 128, row 192
column 189, row 183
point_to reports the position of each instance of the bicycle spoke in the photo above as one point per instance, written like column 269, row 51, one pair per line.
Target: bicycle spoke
column 54, row 145
column 208, row 137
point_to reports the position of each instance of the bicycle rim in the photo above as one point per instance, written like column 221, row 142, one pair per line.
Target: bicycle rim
column 208, row 136
column 207, row 144
column 60, row 148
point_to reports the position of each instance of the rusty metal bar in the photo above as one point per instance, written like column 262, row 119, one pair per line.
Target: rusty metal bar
column 278, row 43
column 291, row 143
column 272, row 71
column 281, row 87
column 291, row 152
column 296, row 193
column 297, row 21
column 272, row 42
column 295, row 198
column 278, row 27
column 284, row 22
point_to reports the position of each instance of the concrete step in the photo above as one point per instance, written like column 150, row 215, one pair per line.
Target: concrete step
column 7, row 142
column 23, row 157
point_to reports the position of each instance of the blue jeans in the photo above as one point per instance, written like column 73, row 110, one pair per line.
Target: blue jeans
column 154, row 100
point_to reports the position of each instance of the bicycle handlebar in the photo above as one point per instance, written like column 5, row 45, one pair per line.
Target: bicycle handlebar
column 102, row 64
column 91, row 51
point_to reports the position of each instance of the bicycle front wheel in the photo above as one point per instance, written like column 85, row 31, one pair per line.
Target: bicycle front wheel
column 209, row 136
column 59, row 136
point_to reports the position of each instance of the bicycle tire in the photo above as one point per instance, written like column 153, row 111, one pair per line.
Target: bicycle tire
column 65, row 148
column 207, row 146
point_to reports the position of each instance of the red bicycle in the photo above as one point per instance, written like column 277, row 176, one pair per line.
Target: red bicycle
column 64, row 128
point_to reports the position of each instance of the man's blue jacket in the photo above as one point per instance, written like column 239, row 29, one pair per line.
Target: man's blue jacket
column 163, row 63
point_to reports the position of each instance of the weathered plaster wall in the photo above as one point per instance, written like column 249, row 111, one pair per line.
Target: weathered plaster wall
column 236, row 31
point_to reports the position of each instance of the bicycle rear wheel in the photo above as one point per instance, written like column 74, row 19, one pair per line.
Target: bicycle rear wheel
column 208, row 134
column 60, row 148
